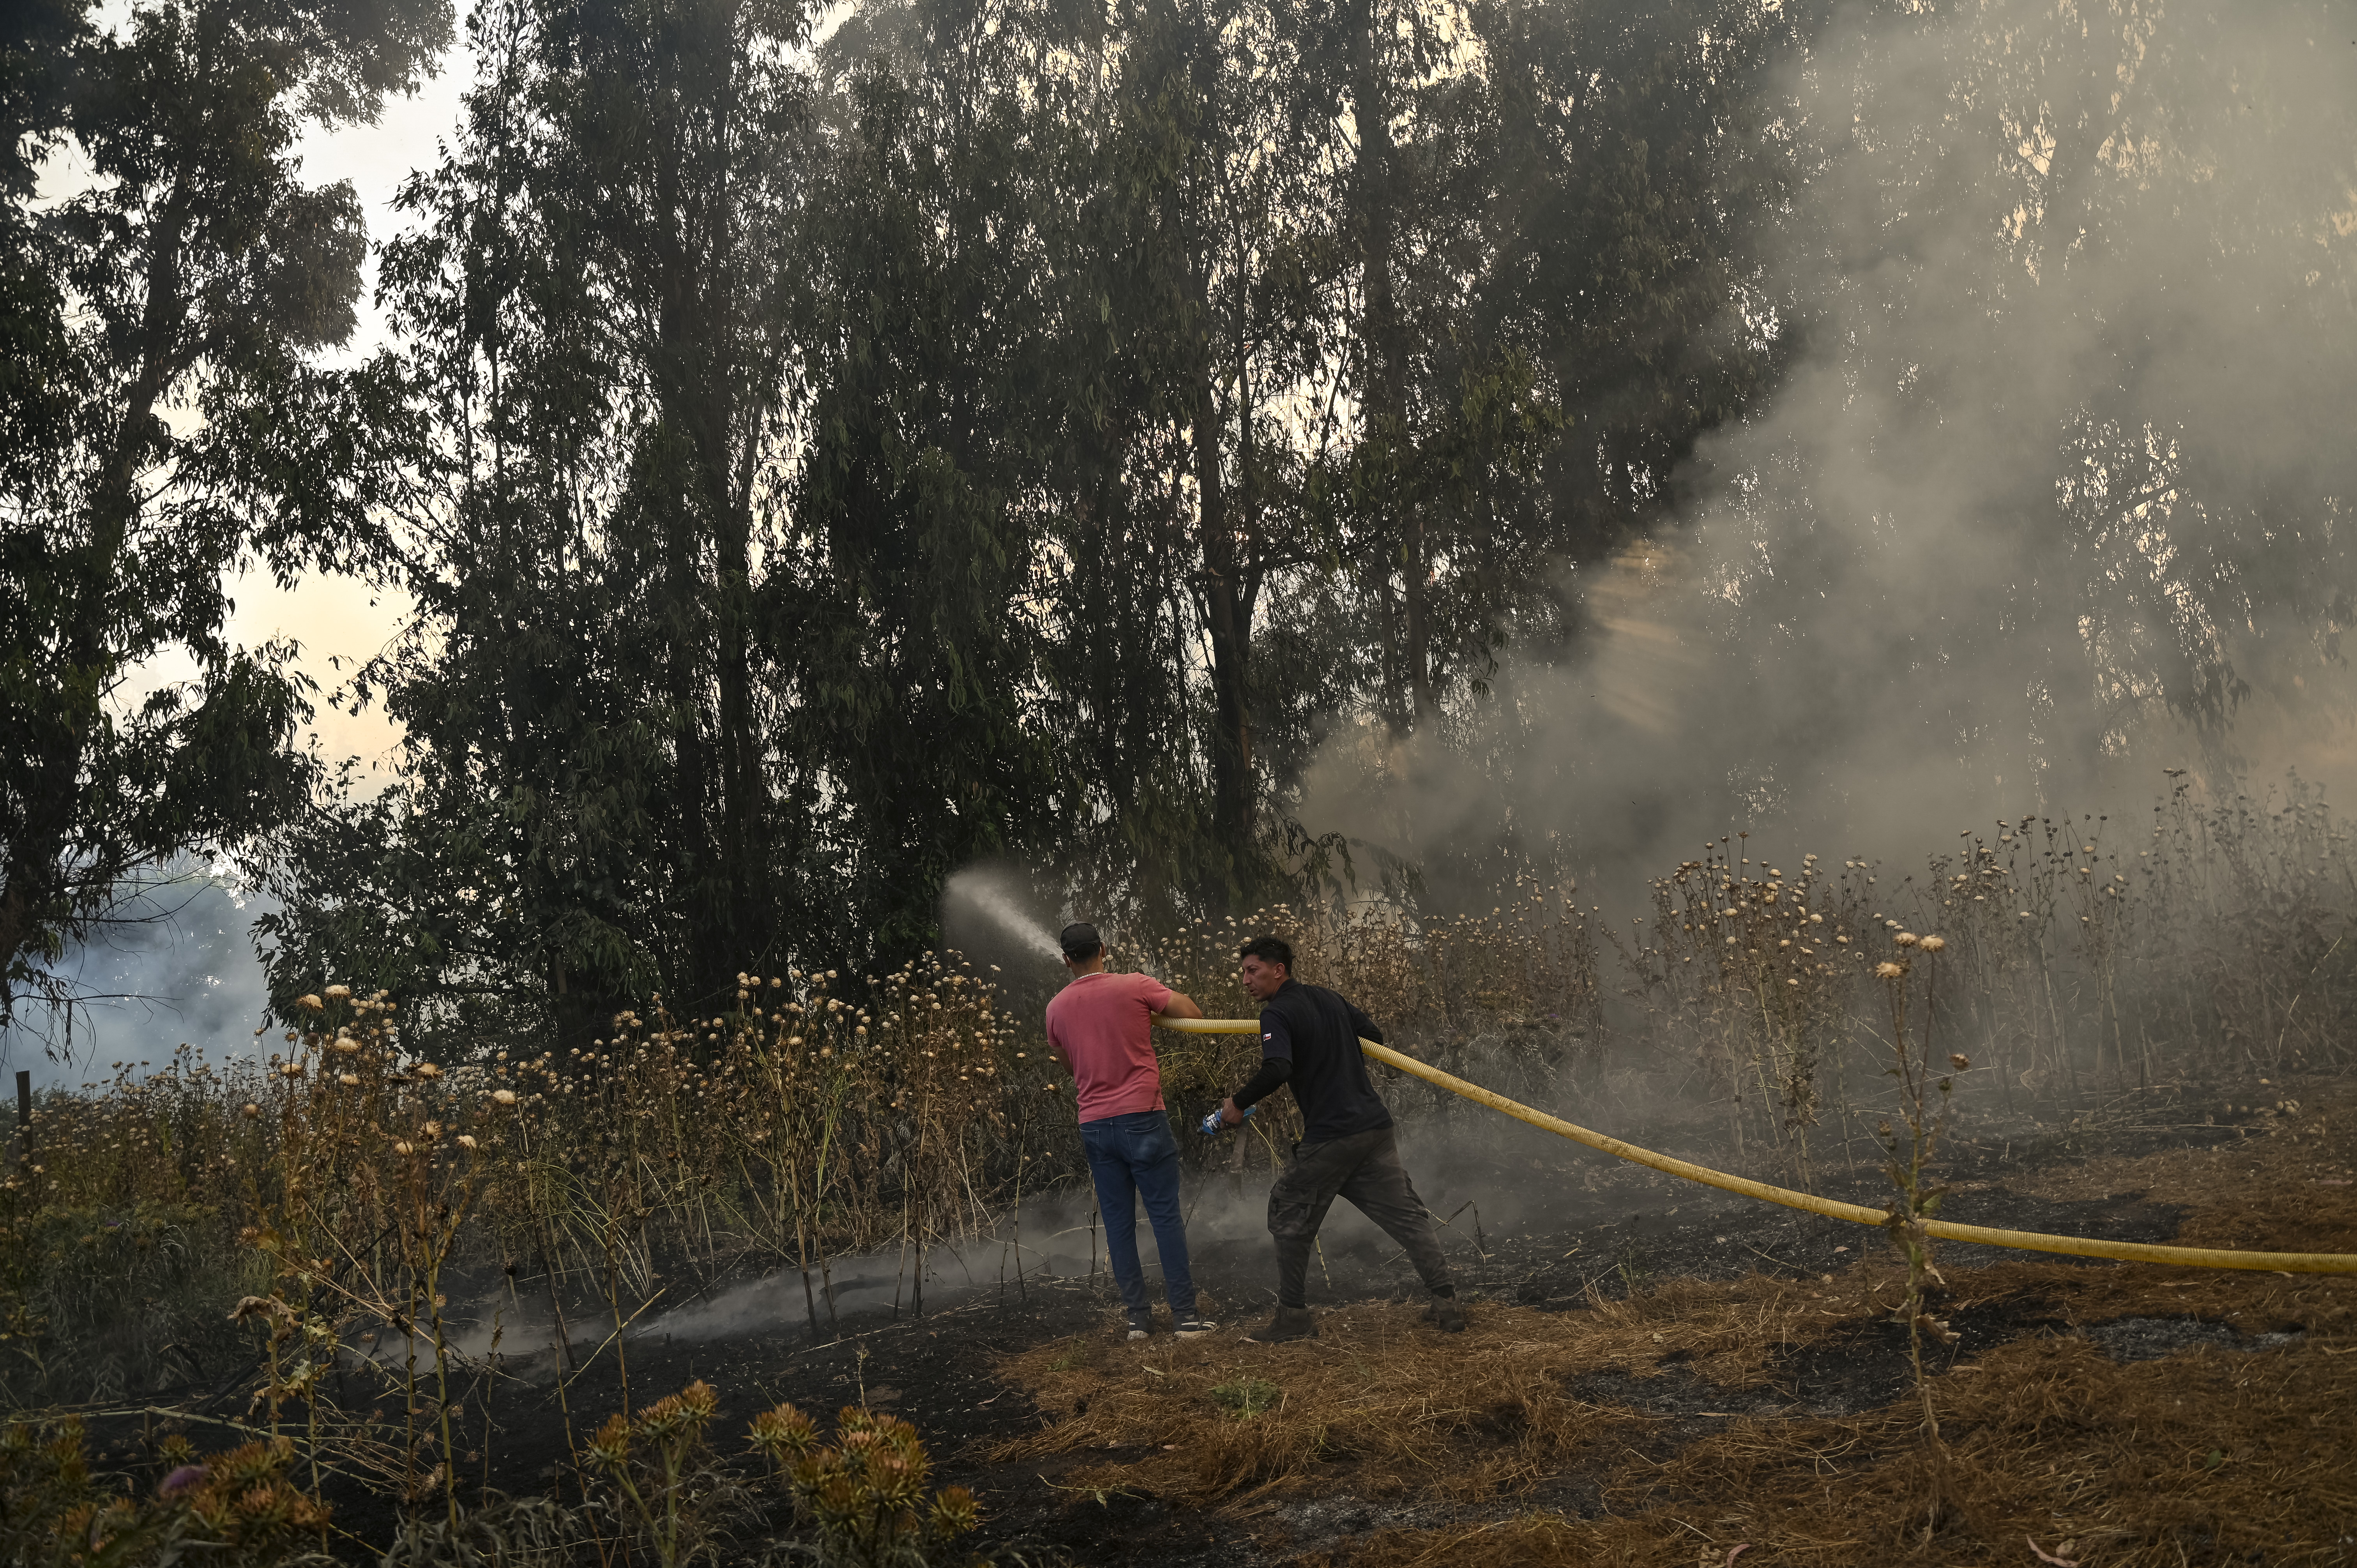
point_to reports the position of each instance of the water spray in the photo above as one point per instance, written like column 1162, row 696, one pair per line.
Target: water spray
column 980, row 891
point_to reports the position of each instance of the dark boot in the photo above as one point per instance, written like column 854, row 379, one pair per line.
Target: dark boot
column 1290, row 1322
column 1445, row 1314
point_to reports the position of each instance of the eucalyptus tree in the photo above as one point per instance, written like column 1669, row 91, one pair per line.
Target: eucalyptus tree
column 905, row 621
column 601, row 290
column 998, row 428
column 1623, row 173
column 1222, row 277
column 506, row 876
column 2076, row 306
column 169, row 422
column 674, row 181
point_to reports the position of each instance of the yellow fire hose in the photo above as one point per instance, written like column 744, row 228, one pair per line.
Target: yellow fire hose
column 1855, row 1213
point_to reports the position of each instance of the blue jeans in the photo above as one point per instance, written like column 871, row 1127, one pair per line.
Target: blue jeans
column 1133, row 1157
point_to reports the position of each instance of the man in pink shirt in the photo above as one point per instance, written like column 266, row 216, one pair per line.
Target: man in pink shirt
column 1102, row 1026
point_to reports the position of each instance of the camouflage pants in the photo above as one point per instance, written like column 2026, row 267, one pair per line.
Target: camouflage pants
column 1365, row 1168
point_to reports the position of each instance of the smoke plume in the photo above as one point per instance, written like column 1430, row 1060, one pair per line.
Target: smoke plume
column 175, row 967
column 2055, row 491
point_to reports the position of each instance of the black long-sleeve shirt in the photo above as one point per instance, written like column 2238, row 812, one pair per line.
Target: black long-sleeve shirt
column 1309, row 1038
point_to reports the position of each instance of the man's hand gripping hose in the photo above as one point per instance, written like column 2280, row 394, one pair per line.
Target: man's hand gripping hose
column 1855, row 1213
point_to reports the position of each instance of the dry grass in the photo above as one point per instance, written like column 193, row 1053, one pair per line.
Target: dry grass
column 2284, row 1190
column 2206, row 1458
column 1410, row 1409
column 380, row 1162
column 2211, row 1453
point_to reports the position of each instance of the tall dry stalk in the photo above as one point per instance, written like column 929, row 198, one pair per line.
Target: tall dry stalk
column 1911, row 1148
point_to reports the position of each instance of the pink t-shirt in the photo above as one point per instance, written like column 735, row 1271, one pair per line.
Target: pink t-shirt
column 1100, row 1023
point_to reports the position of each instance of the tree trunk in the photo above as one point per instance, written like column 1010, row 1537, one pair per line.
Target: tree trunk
column 1227, row 585
column 1408, row 671
column 1228, row 617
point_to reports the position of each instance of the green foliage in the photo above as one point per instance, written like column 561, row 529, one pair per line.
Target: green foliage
column 1244, row 1397
column 504, row 1532
column 115, row 1266
column 1019, row 431
column 596, row 299
column 196, row 272
column 923, row 493
column 1012, row 432
column 108, row 1299
column 664, row 1483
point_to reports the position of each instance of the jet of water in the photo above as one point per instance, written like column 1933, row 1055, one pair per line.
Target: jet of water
column 983, row 892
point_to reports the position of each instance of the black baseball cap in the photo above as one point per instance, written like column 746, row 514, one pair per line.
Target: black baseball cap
column 1079, row 941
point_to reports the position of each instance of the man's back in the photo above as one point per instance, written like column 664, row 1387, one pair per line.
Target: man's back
column 1104, row 1026
column 1318, row 1031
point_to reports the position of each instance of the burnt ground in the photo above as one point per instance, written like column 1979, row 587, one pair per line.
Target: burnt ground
column 1001, row 1381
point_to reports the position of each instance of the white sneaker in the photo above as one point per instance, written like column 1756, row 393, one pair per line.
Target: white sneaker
column 1194, row 1327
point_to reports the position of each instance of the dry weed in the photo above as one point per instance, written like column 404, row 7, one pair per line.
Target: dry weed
column 1409, row 1409
column 2216, row 1456
column 2212, row 1454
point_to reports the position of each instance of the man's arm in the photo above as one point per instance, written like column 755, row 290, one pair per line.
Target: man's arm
column 1275, row 1067
column 1059, row 1059
column 1180, row 1005
column 1363, row 1024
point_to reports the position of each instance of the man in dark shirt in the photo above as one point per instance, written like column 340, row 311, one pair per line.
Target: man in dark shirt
column 1309, row 1038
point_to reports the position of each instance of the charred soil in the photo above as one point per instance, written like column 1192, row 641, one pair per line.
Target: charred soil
column 1654, row 1373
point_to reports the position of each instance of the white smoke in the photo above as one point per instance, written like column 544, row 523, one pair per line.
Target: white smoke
column 177, row 968
column 2053, row 492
